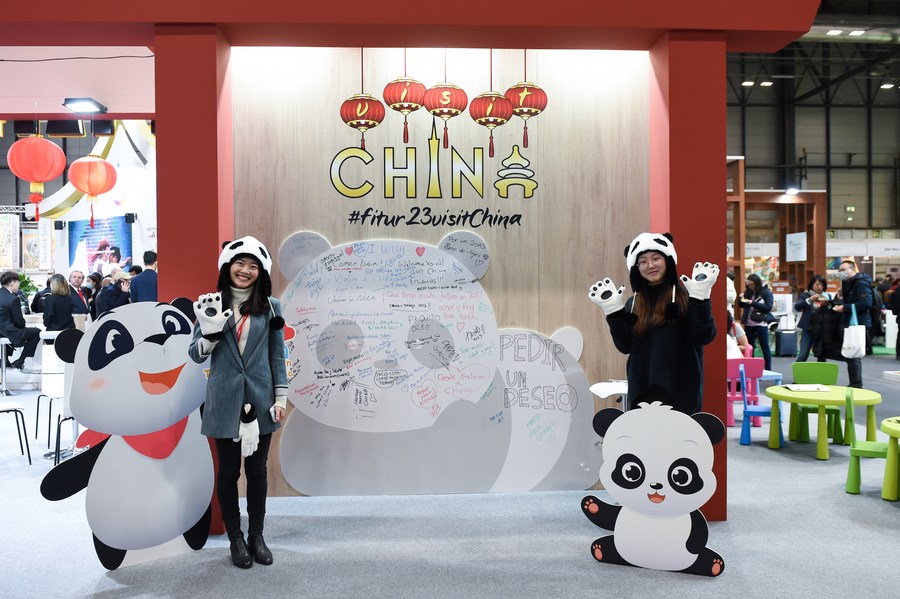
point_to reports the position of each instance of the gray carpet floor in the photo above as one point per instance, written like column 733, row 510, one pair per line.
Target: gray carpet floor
column 791, row 531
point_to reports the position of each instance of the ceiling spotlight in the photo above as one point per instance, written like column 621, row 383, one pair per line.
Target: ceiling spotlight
column 84, row 105
column 747, row 84
column 857, row 32
column 834, row 32
column 887, row 85
column 792, row 191
column 765, row 84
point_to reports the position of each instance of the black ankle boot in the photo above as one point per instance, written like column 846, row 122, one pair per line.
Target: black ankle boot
column 240, row 555
column 257, row 546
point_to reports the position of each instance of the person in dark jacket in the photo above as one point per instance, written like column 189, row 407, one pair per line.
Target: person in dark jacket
column 827, row 328
column 893, row 305
column 12, row 323
column 58, row 305
column 143, row 286
column 757, row 299
column 809, row 301
column 115, row 294
column 663, row 326
column 77, row 294
column 856, row 296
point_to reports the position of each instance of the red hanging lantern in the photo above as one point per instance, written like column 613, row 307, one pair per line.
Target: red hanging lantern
column 445, row 100
column 362, row 112
column 491, row 110
column 36, row 160
column 528, row 100
column 405, row 95
column 92, row 176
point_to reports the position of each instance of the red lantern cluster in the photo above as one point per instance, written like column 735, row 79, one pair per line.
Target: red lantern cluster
column 405, row 95
column 527, row 100
column 362, row 112
column 37, row 160
column 446, row 101
column 92, row 176
column 491, row 110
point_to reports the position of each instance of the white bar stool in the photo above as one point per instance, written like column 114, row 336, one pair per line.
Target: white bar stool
column 52, row 380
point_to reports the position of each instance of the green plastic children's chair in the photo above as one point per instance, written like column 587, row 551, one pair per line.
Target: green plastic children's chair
column 859, row 449
column 808, row 373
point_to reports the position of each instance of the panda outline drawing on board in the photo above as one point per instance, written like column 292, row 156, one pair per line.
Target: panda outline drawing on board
column 398, row 353
column 657, row 465
column 147, row 471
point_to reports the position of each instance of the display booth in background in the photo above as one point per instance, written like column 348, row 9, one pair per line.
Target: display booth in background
column 196, row 99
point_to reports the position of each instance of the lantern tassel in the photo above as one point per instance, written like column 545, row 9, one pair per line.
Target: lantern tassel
column 491, row 146
column 37, row 213
column 446, row 136
column 405, row 131
column 362, row 142
column 92, row 214
column 525, row 136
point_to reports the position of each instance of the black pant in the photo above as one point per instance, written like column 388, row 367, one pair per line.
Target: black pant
column 31, row 338
column 761, row 334
column 854, row 365
column 257, row 483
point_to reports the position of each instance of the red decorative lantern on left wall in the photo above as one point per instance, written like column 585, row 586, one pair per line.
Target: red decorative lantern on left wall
column 92, row 176
column 362, row 112
column 37, row 160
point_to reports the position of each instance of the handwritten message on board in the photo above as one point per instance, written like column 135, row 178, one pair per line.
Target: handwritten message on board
column 389, row 334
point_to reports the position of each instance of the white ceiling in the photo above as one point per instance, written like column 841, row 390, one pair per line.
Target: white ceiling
column 35, row 80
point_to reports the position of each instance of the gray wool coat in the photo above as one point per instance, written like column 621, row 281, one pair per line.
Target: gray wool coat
column 236, row 379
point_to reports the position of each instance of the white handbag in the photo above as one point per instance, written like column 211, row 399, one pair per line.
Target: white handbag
column 854, row 345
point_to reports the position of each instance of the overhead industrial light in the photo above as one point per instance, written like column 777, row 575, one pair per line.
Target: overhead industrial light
column 792, row 191
column 833, row 32
column 888, row 85
column 857, row 32
column 765, row 84
column 747, row 84
column 83, row 105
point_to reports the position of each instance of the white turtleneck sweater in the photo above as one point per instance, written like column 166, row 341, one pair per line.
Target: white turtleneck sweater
column 238, row 297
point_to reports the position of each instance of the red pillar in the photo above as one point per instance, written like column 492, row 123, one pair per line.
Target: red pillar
column 687, row 186
column 194, row 182
column 195, row 188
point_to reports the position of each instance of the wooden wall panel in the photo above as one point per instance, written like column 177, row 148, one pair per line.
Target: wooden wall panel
column 589, row 151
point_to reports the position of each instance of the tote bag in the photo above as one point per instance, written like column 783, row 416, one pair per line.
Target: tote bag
column 854, row 338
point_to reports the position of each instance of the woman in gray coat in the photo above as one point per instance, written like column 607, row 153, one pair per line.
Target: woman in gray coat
column 240, row 327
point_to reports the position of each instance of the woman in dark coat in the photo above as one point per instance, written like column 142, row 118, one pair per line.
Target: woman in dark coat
column 58, row 305
column 757, row 299
column 807, row 304
column 664, row 326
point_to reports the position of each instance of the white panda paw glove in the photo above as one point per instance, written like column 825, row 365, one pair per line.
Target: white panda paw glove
column 248, row 432
column 699, row 286
column 604, row 294
column 210, row 315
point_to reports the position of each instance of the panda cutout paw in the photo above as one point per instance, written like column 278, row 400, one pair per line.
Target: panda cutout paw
column 599, row 512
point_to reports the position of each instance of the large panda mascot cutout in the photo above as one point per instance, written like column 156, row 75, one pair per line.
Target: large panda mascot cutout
column 657, row 464
column 148, row 471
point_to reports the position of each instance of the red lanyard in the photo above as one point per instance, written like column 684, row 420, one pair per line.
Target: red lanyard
column 240, row 328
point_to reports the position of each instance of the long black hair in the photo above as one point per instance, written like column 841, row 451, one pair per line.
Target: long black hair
column 258, row 302
column 757, row 286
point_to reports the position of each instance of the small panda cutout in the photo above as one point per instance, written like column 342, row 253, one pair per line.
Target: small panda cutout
column 657, row 464
column 148, row 471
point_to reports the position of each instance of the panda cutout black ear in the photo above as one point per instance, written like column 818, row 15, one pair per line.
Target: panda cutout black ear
column 604, row 418
column 712, row 425
column 66, row 344
column 185, row 305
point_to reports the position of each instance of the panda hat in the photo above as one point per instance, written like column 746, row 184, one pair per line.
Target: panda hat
column 653, row 242
column 246, row 245
column 251, row 246
column 646, row 242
